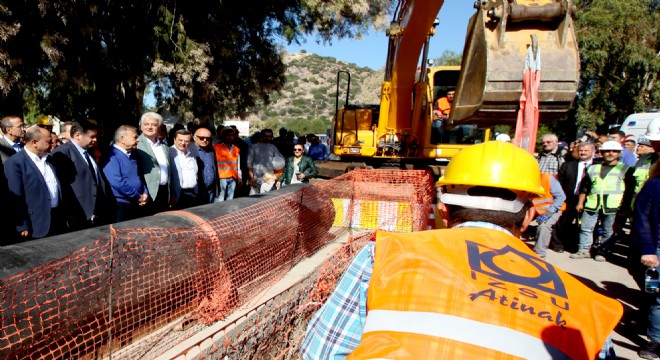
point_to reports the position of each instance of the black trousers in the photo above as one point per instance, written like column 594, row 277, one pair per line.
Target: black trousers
column 127, row 211
column 159, row 203
column 187, row 198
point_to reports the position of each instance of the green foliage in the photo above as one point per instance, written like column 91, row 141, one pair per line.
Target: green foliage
column 305, row 126
column 619, row 43
column 272, row 124
column 449, row 57
column 97, row 58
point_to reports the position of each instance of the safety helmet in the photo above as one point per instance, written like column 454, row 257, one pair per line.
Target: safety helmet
column 611, row 145
column 653, row 130
column 45, row 120
column 503, row 137
column 494, row 164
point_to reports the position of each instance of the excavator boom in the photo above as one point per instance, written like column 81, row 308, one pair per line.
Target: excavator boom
column 489, row 82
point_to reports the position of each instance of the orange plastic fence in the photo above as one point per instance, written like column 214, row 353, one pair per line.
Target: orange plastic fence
column 138, row 292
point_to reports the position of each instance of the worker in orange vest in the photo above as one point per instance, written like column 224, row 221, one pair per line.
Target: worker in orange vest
column 474, row 291
column 549, row 208
column 227, row 156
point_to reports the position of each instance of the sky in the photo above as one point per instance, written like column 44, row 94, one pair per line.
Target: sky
column 372, row 49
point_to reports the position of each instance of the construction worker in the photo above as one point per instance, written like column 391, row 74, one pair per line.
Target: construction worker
column 643, row 165
column 472, row 291
column 603, row 193
column 549, row 208
column 47, row 122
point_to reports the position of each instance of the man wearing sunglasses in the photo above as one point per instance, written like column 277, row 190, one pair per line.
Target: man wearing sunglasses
column 203, row 151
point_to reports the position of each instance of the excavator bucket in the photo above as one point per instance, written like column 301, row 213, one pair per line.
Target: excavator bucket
column 490, row 83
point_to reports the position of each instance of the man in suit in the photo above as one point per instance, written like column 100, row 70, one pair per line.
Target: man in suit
column 186, row 174
column 83, row 187
column 153, row 159
column 6, row 215
column 203, row 151
column 122, row 173
column 13, row 131
column 34, row 189
column 65, row 132
column 570, row 176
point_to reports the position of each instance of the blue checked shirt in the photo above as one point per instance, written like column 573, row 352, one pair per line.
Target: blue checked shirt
column 336, row 328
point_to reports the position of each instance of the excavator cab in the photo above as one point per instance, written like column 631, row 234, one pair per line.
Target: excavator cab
column 499, row 33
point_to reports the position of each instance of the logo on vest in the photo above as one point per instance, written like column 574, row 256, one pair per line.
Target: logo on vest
column 510, row 272
column 530, row 271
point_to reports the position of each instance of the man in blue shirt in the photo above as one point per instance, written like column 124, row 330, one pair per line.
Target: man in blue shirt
column 627, row 157
column 121, row 172
column 317, row 150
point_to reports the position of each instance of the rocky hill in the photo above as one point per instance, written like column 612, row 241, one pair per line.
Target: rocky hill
column 311, row 87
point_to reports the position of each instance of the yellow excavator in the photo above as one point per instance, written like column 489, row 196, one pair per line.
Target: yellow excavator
column 488, row 84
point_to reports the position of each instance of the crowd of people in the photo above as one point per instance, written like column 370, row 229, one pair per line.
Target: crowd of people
column 591, row 183
column 64, row 182
column 607, row 182
column 580, row 195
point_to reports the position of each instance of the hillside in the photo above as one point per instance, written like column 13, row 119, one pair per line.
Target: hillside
column 311, row 86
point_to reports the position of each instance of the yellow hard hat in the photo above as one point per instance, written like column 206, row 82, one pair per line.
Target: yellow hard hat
column 495, row 164
column 45, row 120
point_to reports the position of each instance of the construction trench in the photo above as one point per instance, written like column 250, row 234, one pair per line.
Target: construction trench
column 237, row 280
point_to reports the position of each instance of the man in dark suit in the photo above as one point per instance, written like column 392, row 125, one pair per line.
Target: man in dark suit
column 202, row 149
column 34, row 191
column 83, row 187
column 13, row 131
column 186, row 175
column 570, row 175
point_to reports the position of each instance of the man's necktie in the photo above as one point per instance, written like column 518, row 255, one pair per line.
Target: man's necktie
column 91, row 167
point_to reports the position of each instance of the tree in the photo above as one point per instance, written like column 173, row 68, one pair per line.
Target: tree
column 619, row 44
column 449, row 57
column 86, row 58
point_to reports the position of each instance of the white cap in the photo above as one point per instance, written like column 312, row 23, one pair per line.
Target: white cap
column 653, row 130
column 611, row 145
column 503, row 137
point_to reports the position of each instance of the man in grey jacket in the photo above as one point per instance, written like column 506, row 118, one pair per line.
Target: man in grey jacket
column 153, row 159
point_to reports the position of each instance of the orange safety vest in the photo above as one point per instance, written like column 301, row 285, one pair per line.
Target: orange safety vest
column 477, row 294
column 543, row 203
column 444, row 106
column 227, row 161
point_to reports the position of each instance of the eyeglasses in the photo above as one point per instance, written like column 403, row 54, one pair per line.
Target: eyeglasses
column 203, row 138
column 297, row 149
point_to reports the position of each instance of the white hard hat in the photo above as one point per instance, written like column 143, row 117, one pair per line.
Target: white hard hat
column 503, row 137
column 653, row 130
column 611, row 145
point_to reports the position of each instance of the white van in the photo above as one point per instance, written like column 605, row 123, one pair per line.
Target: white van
column 636, row 124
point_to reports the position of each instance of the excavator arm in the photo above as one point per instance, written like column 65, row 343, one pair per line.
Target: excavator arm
column 412, row 25
column 489, row 85
column 498, row 36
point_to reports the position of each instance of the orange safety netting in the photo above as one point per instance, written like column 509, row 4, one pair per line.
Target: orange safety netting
column 140, row 291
